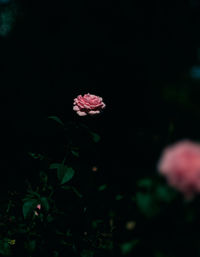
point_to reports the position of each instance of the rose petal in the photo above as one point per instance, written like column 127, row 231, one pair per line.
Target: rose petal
column 81, row 113
column 76, row 108
column 93, row 112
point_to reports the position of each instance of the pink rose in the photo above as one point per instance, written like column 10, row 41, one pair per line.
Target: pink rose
column 180, row 164
column 88, row 104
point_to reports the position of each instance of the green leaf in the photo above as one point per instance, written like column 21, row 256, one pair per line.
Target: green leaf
column 75, row 153
column 147, row 204
column 45, row 204
column 73, row 189
column 127, row 247
column 96, row 138
column 60, row 169
column 54, row 166
column 36, row 156
column 64, row 173
column 164, row 194
column 102, row 187
column 55, row 118
column 68, row 174
column 119, row 197
column 28, row 207
column 32, row 194
column 5, row 247
column 146, row 183
column 77, row 192
column 96, row 223
column 144, row 202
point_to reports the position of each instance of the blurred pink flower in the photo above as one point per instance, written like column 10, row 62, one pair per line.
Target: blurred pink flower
column 38, row 207
column 180, row 164
column 88, row 104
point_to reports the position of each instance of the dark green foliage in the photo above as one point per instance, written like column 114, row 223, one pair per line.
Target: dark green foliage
column 95, row 136
column 64, row 172
column 127, row 247
column 71, row 206
column 5, row 247
column 152, row 197
column 45, row 203
column 28, row 207
column 8, row 15
column 87, row 253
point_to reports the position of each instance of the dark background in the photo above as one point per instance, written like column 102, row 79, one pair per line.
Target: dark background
column 135, row 54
